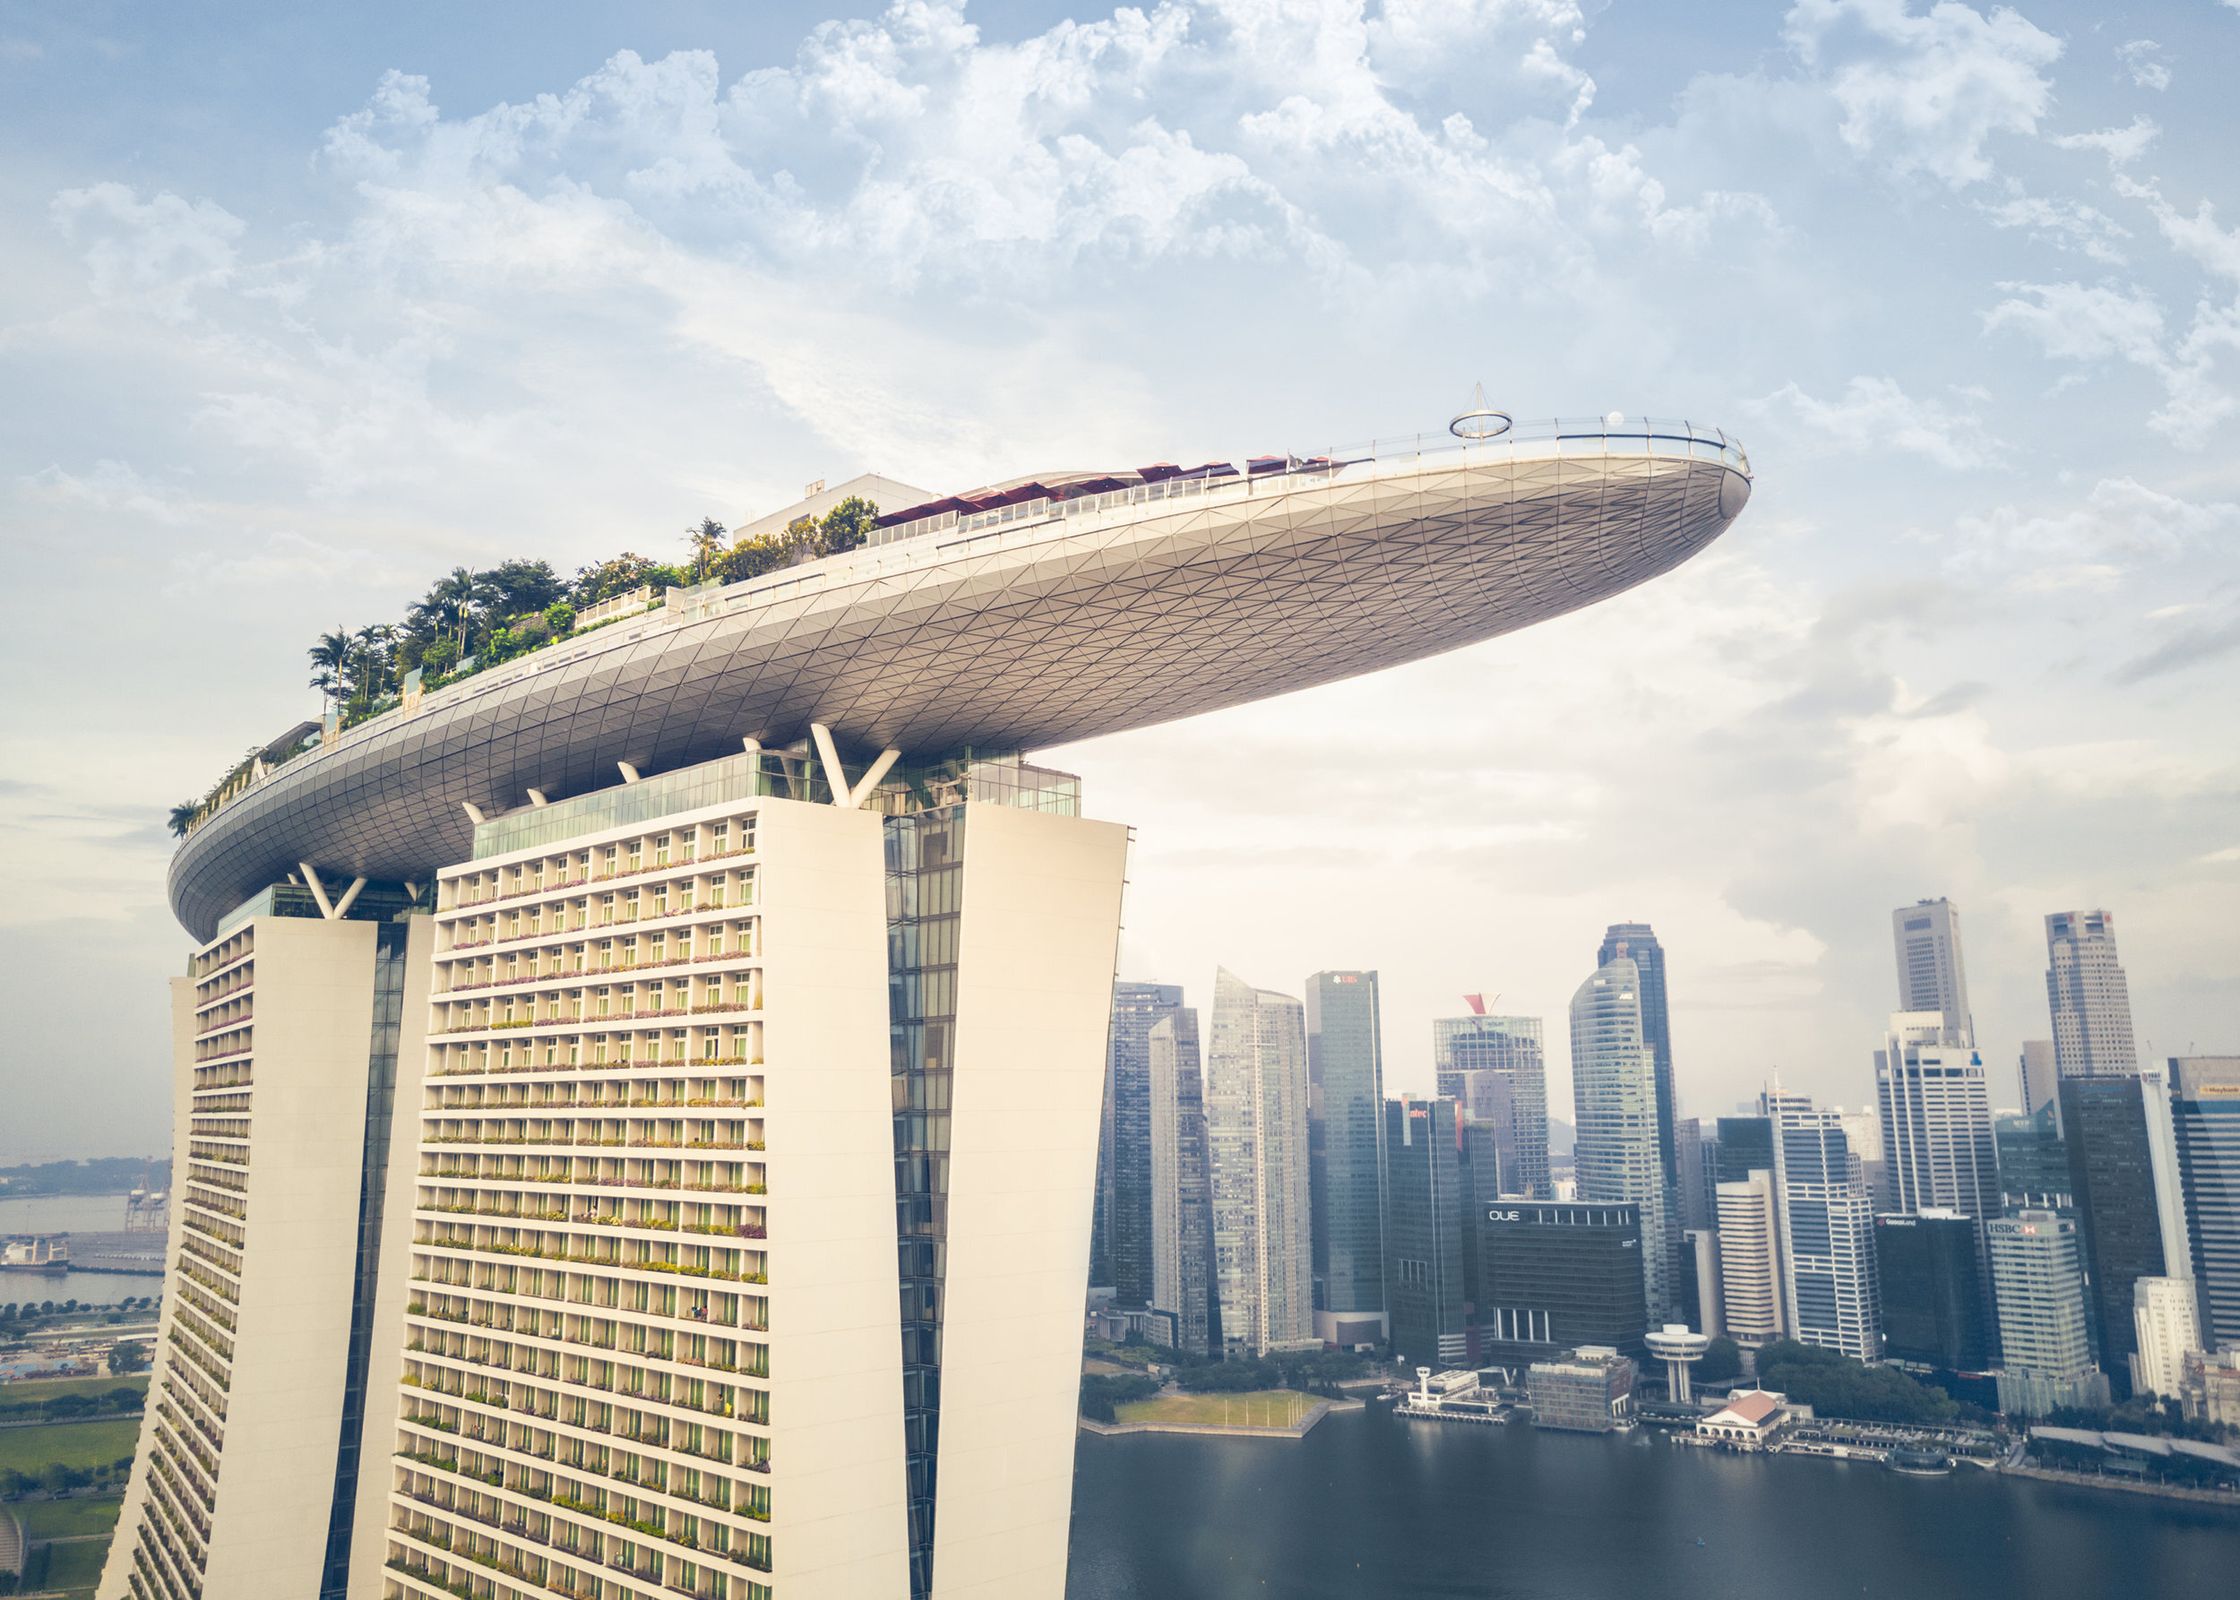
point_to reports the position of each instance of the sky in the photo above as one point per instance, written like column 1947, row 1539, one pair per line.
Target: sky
column 302, row 307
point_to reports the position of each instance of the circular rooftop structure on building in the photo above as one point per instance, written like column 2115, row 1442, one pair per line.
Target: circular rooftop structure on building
column 1045, row 622
column 1676, row 1341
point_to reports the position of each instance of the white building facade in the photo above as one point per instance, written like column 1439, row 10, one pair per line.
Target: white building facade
column 2169, row 1329
column 1614, row 1090
column 1827, row 1230
column 1753, row 1299
column 1256, row 1134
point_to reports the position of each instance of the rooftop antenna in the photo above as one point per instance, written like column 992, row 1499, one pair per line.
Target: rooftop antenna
column 1481, row 421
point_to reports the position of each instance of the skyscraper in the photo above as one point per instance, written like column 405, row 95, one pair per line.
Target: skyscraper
column 1424, row 1270
column 2036, row 1072
column 2167, row 1327
column 1614, row 1090
column 1495, row 1069
column 1558, row 1274
column 1827, row 1230
column 2033, row 1162
column 2089, row 998
column 1256, row 1129
column 1931, row 974
column 2104, row 1123
column 2046, row 1349
column 1346, row 1149
column 1937, row 1148
column 1745, row 1146
column 1181, row 1187
column 1136, row 1009
column 1637, row 942
column 1696, row 1177
column 1753, row 1292
column 1933, row 1308
column 2205, row 1106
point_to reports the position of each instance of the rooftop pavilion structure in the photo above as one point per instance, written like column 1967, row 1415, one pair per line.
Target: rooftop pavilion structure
column 637, row 1104
column 1679, row 1347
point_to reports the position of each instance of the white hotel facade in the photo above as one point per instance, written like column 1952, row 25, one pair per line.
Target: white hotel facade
column 636, row 1128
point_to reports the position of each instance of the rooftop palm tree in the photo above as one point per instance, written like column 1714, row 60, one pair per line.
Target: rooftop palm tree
column 706, row 544
column 328, row 659
column 182, row 817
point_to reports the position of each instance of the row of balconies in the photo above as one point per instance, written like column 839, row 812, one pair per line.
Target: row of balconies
column 234, row 948
column 511, row 1290
column 470, row 890
column 729, row 1045
column 601, row 1250
column 595, row 1172
column 209, row 994
column 623, row 1093
column 639, row 935
column 482, row 1341
column 566, row 962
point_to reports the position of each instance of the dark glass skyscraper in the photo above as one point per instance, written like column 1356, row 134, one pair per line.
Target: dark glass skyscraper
column 1557, row 1276
column 2111, row 1174
column 2205, row 1114
column 1745, row 1146
column 1423, row 1270
column 2033, row 1162
column 1136, row 1009
column 1932, row 1294
column 1181, row 1187
column 1345, row 1097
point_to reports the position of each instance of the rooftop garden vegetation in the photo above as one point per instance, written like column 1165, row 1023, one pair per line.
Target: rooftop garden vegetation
column 471, row 621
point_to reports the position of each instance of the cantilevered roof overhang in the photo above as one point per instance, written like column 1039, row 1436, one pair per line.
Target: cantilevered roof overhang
column 1094, row 619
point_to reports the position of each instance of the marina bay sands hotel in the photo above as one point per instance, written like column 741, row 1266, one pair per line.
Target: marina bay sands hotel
column 637, row 1105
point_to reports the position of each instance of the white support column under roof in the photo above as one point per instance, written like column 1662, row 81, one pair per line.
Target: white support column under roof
column 848, row 797
column 331, row 910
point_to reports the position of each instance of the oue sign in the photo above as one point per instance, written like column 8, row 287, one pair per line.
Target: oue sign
column 1504, row 1216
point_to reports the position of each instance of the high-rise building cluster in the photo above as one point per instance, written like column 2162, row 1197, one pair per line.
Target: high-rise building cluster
column 2071, row 1250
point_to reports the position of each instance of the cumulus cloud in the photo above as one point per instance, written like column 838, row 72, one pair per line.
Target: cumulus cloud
column 1927, row 92
column 2065, row 223
column 2119, row 524
column 1874, row 413
column 158, row 254
column 2121, row 146
column 2142, row 60
column 2093, row 323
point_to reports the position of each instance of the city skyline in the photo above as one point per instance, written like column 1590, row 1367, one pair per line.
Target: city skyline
column 233, row 411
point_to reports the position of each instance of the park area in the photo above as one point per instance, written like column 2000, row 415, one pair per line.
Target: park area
column 1281, row 1409
column 63, row 1443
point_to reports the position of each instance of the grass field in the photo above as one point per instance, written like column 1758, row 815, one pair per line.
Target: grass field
column 66, row 1519
column 1258, row 1408
column 74, row 1444
column 36, row 1390
column 68, row 1568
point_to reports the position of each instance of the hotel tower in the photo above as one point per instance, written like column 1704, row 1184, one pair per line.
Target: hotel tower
column 637, row 1105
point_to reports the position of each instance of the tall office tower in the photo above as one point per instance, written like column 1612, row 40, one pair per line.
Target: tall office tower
column 1745, row 1146
column 1753, row 1298
column 1256, row 1137
column 2205, row 1107
column 599, row 1372
column 1827, row 1230
column 1931, row 975
column 2090, row 1001
column 1700, row 1251
column 1494, row 1067
column 1346, row 1149
column 2037, row 1073
column 1937, row 1147
column 1862, row 1129
column 1614, row 1092
column 1181, row 1187
column 2046, row 1360
column 2033, row 1161
column 2167, row 1328
column 287, row 1038
column 1695, row 1174
column 2104, row 1123
column 1136, row 1009
column 1933, row 1311
column 1424, row 1268
column 1558, row 1274
column 1637, row 942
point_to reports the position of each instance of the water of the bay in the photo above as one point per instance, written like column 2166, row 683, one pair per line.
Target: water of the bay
column 73, row 1213
column 1369, row 1505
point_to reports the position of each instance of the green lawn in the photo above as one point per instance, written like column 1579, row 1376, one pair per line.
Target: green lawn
column 1257, row 1408
column 70, row 1568
column 74, row 1444
column 34, row 1391
column 66, row 1519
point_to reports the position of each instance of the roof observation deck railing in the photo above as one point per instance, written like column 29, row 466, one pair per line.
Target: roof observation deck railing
column 910, row 545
